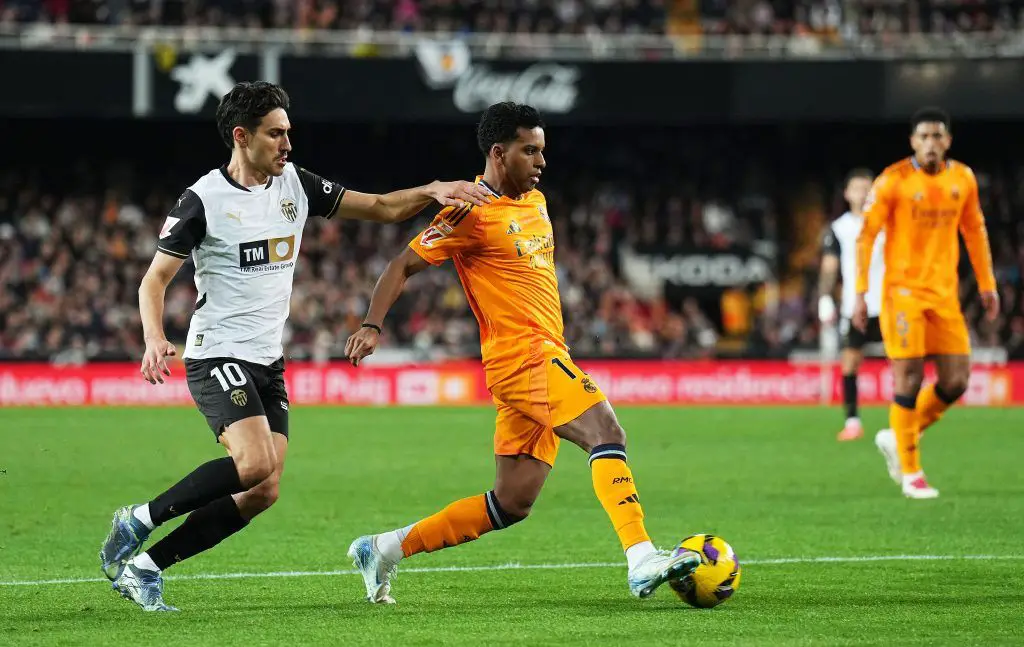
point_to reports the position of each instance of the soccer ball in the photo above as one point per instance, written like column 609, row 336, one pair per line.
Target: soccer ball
column 717, row 577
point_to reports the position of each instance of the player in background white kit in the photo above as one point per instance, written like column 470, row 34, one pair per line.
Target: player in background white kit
column 839, row 260
column 242, row 224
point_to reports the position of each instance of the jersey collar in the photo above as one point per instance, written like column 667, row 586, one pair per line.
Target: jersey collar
column 917, row 165
column 480, row 181
column 231, row 180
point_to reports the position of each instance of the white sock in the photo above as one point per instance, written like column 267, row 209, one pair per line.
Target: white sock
column 404, row 532
column 142, row 514
column 145, row 562
column 853, row 419
column 637, row 552
column 390, row 544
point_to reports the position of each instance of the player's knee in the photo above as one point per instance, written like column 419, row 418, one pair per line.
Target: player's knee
column 519, row 507
column 611, row 433
column 265, row 494
column 255, row 466
column 515, row 506
column 259, row 498
column 909, row 379
column 953, row 387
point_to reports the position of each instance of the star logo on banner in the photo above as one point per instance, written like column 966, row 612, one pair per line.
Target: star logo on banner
column 201, row 77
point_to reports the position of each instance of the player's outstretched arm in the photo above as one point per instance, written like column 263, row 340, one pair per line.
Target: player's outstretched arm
column 406, row 203
column 151, row 309
column 972, row 227
column 385, row 293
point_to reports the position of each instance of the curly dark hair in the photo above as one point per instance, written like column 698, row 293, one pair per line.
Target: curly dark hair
column 500, row 124
column 246, row 105
column 931, row 115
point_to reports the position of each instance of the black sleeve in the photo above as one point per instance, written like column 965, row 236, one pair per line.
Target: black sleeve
column 323, row 195
column 830, row 243
column 185, row 226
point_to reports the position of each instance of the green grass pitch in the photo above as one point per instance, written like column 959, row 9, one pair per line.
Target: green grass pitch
column 772, row 481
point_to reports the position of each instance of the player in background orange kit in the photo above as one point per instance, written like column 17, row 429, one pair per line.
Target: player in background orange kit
column 504, row 255
column 922, row 202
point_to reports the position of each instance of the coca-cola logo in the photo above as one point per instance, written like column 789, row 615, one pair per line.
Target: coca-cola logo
column 549, row 87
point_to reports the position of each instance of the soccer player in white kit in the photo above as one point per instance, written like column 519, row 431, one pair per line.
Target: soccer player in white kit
column 839, row 260
column 242, row 225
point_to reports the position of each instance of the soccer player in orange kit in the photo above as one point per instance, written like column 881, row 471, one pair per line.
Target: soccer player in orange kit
column 922, row 202
column 504, row 255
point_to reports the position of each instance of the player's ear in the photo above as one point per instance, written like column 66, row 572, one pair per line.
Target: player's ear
column 497, row 152
column 240, row 135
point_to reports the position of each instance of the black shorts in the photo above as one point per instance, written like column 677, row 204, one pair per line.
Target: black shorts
column 855, row 339
column 227, row 390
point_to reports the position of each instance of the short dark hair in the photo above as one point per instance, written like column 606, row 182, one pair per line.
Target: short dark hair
column 246, row 105
column 859, row 173
column 931, row 114
column 501, row 122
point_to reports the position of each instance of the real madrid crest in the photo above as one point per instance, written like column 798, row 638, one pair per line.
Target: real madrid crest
column 288, row 210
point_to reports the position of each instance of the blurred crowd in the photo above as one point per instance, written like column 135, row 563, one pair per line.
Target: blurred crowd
column 852, row 17
column 75, row 242
column 538, row 16
column 842, row 17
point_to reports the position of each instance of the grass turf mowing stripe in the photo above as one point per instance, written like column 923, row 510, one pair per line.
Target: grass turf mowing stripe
column 530, row 567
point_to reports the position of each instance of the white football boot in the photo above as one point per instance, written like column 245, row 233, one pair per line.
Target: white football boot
column 377, row 570
column 660, row 567
column 885, row 441
column 916, row 487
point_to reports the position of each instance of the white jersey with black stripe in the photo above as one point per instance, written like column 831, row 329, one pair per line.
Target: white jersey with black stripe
column 245, row 243
column 841, row 240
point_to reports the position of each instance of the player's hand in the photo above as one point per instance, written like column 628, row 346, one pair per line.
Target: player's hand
column 361, row 344
column 154, row 360
column 826, row 310
column 990, row 301
column 860, row 314
column 458, row 193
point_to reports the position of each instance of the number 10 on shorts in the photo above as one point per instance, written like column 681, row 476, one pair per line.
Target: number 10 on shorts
column 229, row 375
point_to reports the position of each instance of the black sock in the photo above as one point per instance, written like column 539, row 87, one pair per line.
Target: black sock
column 497, row 515
column 850, row 395
column 202, row 530
column 209, row 481
column 906, row 401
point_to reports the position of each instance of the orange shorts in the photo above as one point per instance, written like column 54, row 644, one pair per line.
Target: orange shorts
column 913, row 327
column 547, row 392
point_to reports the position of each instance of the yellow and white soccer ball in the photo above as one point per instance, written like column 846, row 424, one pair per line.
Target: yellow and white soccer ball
column 717, row 577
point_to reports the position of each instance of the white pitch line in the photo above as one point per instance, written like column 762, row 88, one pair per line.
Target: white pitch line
column 532, row 567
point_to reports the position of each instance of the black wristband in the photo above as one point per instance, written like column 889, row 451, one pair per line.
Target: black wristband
column 370, row 325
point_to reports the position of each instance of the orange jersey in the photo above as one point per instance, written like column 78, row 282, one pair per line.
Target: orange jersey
column 504, row 253
column 921, row 215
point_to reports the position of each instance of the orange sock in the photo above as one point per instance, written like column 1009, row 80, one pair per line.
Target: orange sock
column 907, row 427
column 462, row 521
column 613, row 484
column 931, row 404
